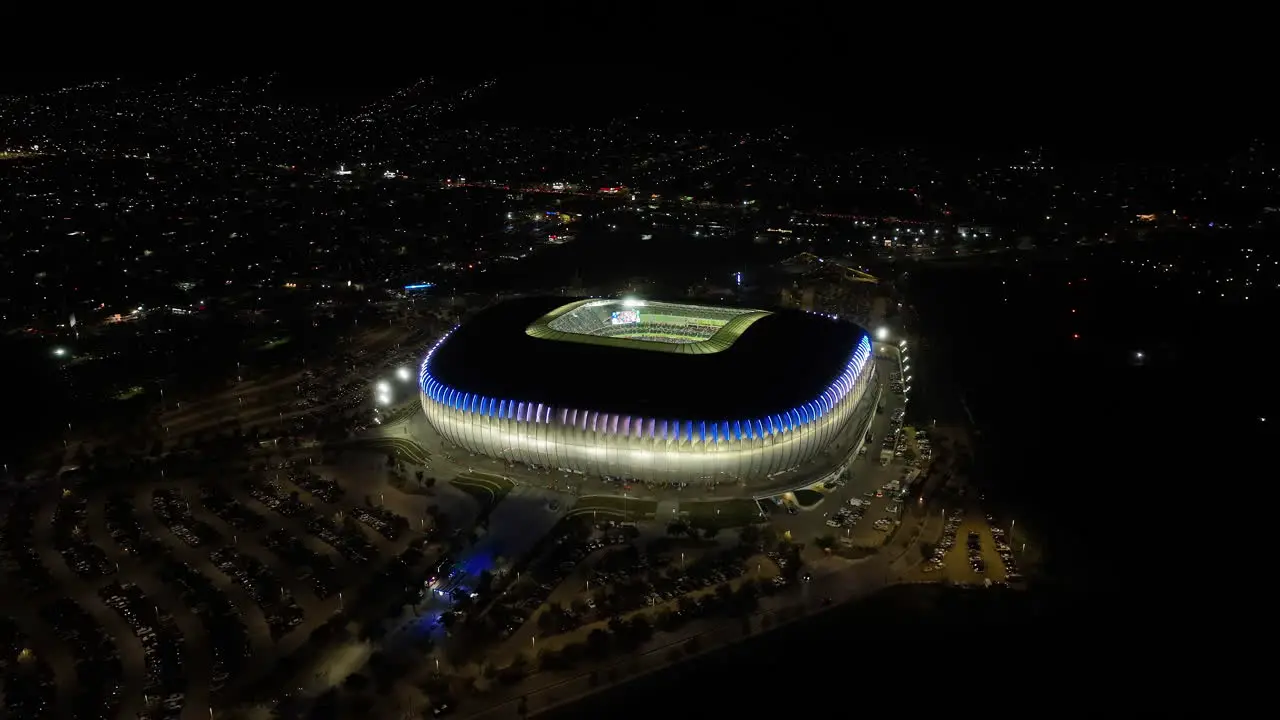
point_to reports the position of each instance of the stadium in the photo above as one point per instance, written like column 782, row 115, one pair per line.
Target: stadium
column 648, row 391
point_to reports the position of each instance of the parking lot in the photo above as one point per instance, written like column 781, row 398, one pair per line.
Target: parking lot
column 590, row 573
column 974, row 548
column 169, row 597
column 857, row 509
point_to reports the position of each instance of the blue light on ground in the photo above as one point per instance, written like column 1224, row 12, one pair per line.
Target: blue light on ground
column 420, row 286
column 476, row 563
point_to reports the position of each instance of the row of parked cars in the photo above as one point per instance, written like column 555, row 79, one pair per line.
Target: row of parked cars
column 307, row 564
column 383, row 521
column 162, row 644
column 349, row 542
column 18, row 557
column 26, row 680
column 546, row 571
column 173, row 510
column 327, row 490
column 848, row 515
column 224, row 625
column 274, row 495
column 1005, row 551
column 222, row 503
column 99, row 671
column 278, row 606
column 127, row 531
column 71, row 538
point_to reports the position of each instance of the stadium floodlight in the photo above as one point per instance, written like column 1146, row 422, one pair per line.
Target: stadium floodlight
column 404, row 374
column 632, row 302
column 59, row 352
column 882, row 333
column 383, row 387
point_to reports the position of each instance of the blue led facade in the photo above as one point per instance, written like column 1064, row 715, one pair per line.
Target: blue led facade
column 646, row 448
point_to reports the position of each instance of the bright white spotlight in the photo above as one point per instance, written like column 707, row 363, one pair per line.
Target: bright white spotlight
column 882, row 333
column 384, row 387
column 632, row 302
column 60, row 352
column 404, row 374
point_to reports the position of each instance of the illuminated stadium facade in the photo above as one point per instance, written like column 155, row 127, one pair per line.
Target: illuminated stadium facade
column 650, row 391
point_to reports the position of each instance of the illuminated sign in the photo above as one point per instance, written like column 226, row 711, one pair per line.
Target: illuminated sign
column 625, row 317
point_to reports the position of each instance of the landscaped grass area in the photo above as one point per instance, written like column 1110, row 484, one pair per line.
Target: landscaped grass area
column 401, row 413
column 274, row 343
column 488, row 490
column 614, row 507
column 406, row 450
column 721, row 513
column 807, row 498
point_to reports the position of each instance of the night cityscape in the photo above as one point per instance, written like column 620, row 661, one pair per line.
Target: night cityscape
column 473, row 394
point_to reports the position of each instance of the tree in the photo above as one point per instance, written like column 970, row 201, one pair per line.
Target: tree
column 826, row 542
column 598, row 643
column 769, row 536
column 710, row 533
column 641, row 629
column 749, row 535
column 355, row 682
column 926, row 550
column 724, row 593
column 546, row 621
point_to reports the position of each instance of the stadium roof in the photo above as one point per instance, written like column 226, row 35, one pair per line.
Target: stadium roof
column 778, row 361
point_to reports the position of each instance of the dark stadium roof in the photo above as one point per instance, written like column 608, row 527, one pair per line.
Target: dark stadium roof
column 781, row 361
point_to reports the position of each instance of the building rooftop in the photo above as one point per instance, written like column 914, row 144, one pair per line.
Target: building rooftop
column 685, row 361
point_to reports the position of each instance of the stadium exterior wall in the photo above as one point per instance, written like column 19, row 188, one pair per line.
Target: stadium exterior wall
column 646, row 449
